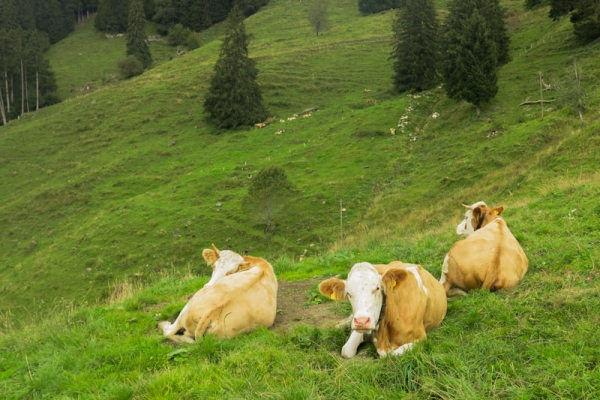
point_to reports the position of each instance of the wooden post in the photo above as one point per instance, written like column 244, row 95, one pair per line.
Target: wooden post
column 541, row 95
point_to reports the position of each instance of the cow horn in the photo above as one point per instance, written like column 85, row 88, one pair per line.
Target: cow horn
column 468, row 207
column 215, row 249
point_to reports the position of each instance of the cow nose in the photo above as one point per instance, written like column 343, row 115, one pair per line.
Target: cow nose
column 362, row 322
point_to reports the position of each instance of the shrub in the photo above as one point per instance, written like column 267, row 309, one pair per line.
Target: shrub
column 192, row 42
column 178, row 35
column 130, row 67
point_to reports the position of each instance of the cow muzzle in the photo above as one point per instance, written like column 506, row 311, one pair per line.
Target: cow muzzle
column 362, row 324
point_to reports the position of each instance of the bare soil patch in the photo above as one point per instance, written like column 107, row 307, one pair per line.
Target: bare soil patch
column 294, row 307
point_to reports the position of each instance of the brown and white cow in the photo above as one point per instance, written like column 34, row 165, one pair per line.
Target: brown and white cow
column 396, row 303
column 490, row 257
column 241, row 300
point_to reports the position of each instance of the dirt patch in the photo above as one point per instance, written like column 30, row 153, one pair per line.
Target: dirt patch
column 296, row 305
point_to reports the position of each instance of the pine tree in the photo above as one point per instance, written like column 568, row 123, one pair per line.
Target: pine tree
column 205, row 20
column 586, row 20
column 470, row 58
column 415, row 47
column 495, row 16
column 234, row 98
column 136, row 37
column 558, row 8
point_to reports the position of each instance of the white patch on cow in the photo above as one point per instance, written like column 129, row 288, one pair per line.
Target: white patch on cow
column 415, row 271
column 402, row 349
column 465, row 228
column 351, row 347
column 363, row 290
column 227, row 262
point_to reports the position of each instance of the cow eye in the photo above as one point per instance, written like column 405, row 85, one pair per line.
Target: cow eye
column 348, row 295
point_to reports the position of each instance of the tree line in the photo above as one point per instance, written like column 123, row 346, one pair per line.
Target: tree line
column 27, row 28
column 464, row 53
column 196, row 15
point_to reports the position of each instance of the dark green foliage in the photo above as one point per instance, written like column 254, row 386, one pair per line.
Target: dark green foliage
column 470, row 50
column 469, row 67
column 269, row 195
column 130, row 67
column 318, row 17
column 192, row 42
column 234, row 97
column 585, row 17
column 136, row 37
column 23, row 70
column 558, row 8
column 586, row 20
column 178, row 35
column 494, row 16
column 529, row 4
column 375, row 6
column 112, row 16
column 415, row 47
column 52, row 19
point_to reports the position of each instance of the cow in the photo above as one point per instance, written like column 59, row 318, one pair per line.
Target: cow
column 260, row 125
column 240, row 297
column 490, row 257
column 393, row 304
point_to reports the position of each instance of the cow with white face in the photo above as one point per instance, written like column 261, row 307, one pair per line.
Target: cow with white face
column 396, row 303
column 489, row 257
column 223, row 263
column 240, row 297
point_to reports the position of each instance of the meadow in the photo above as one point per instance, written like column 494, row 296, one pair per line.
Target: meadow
column 109, row 197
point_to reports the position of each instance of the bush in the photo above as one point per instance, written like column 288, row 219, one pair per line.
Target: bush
column 178, row 35
column 192, row 42
column 130, row 67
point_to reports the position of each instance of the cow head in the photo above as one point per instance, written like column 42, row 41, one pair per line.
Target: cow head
column 223, row 262
column 477, row 216
column 363, row 289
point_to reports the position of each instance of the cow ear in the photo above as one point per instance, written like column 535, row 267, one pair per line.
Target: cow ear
column 333, row 288
column 498, row 210
column 393, row 278
column 210, row 256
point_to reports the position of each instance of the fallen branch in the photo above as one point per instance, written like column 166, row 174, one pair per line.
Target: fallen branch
column 536, row 102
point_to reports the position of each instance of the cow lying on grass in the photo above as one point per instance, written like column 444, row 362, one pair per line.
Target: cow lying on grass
column 240, row 297
column 490, row 257
column 396, row 303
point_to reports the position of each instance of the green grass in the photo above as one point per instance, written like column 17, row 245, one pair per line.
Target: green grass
column 109, row 197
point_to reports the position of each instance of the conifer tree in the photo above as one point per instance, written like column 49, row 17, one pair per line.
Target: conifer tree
column 495, row 17
column 136, row 37
column 586, row 20
column 470, row 59
column 234, row 97
column 415, row 47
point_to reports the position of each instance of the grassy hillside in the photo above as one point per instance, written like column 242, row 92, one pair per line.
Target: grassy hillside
column 110, row 196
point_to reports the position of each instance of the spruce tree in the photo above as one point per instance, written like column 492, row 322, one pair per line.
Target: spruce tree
column 234, row 97
column 415, row 47
column 470, row 58
column 495, row 16
column 136, row 37
column 586, row 20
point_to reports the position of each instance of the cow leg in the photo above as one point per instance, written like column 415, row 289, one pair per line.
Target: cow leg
column 351, row 346
column 455, row 292
column 402, row 349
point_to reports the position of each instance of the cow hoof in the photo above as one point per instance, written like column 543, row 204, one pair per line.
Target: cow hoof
column 456, row 292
